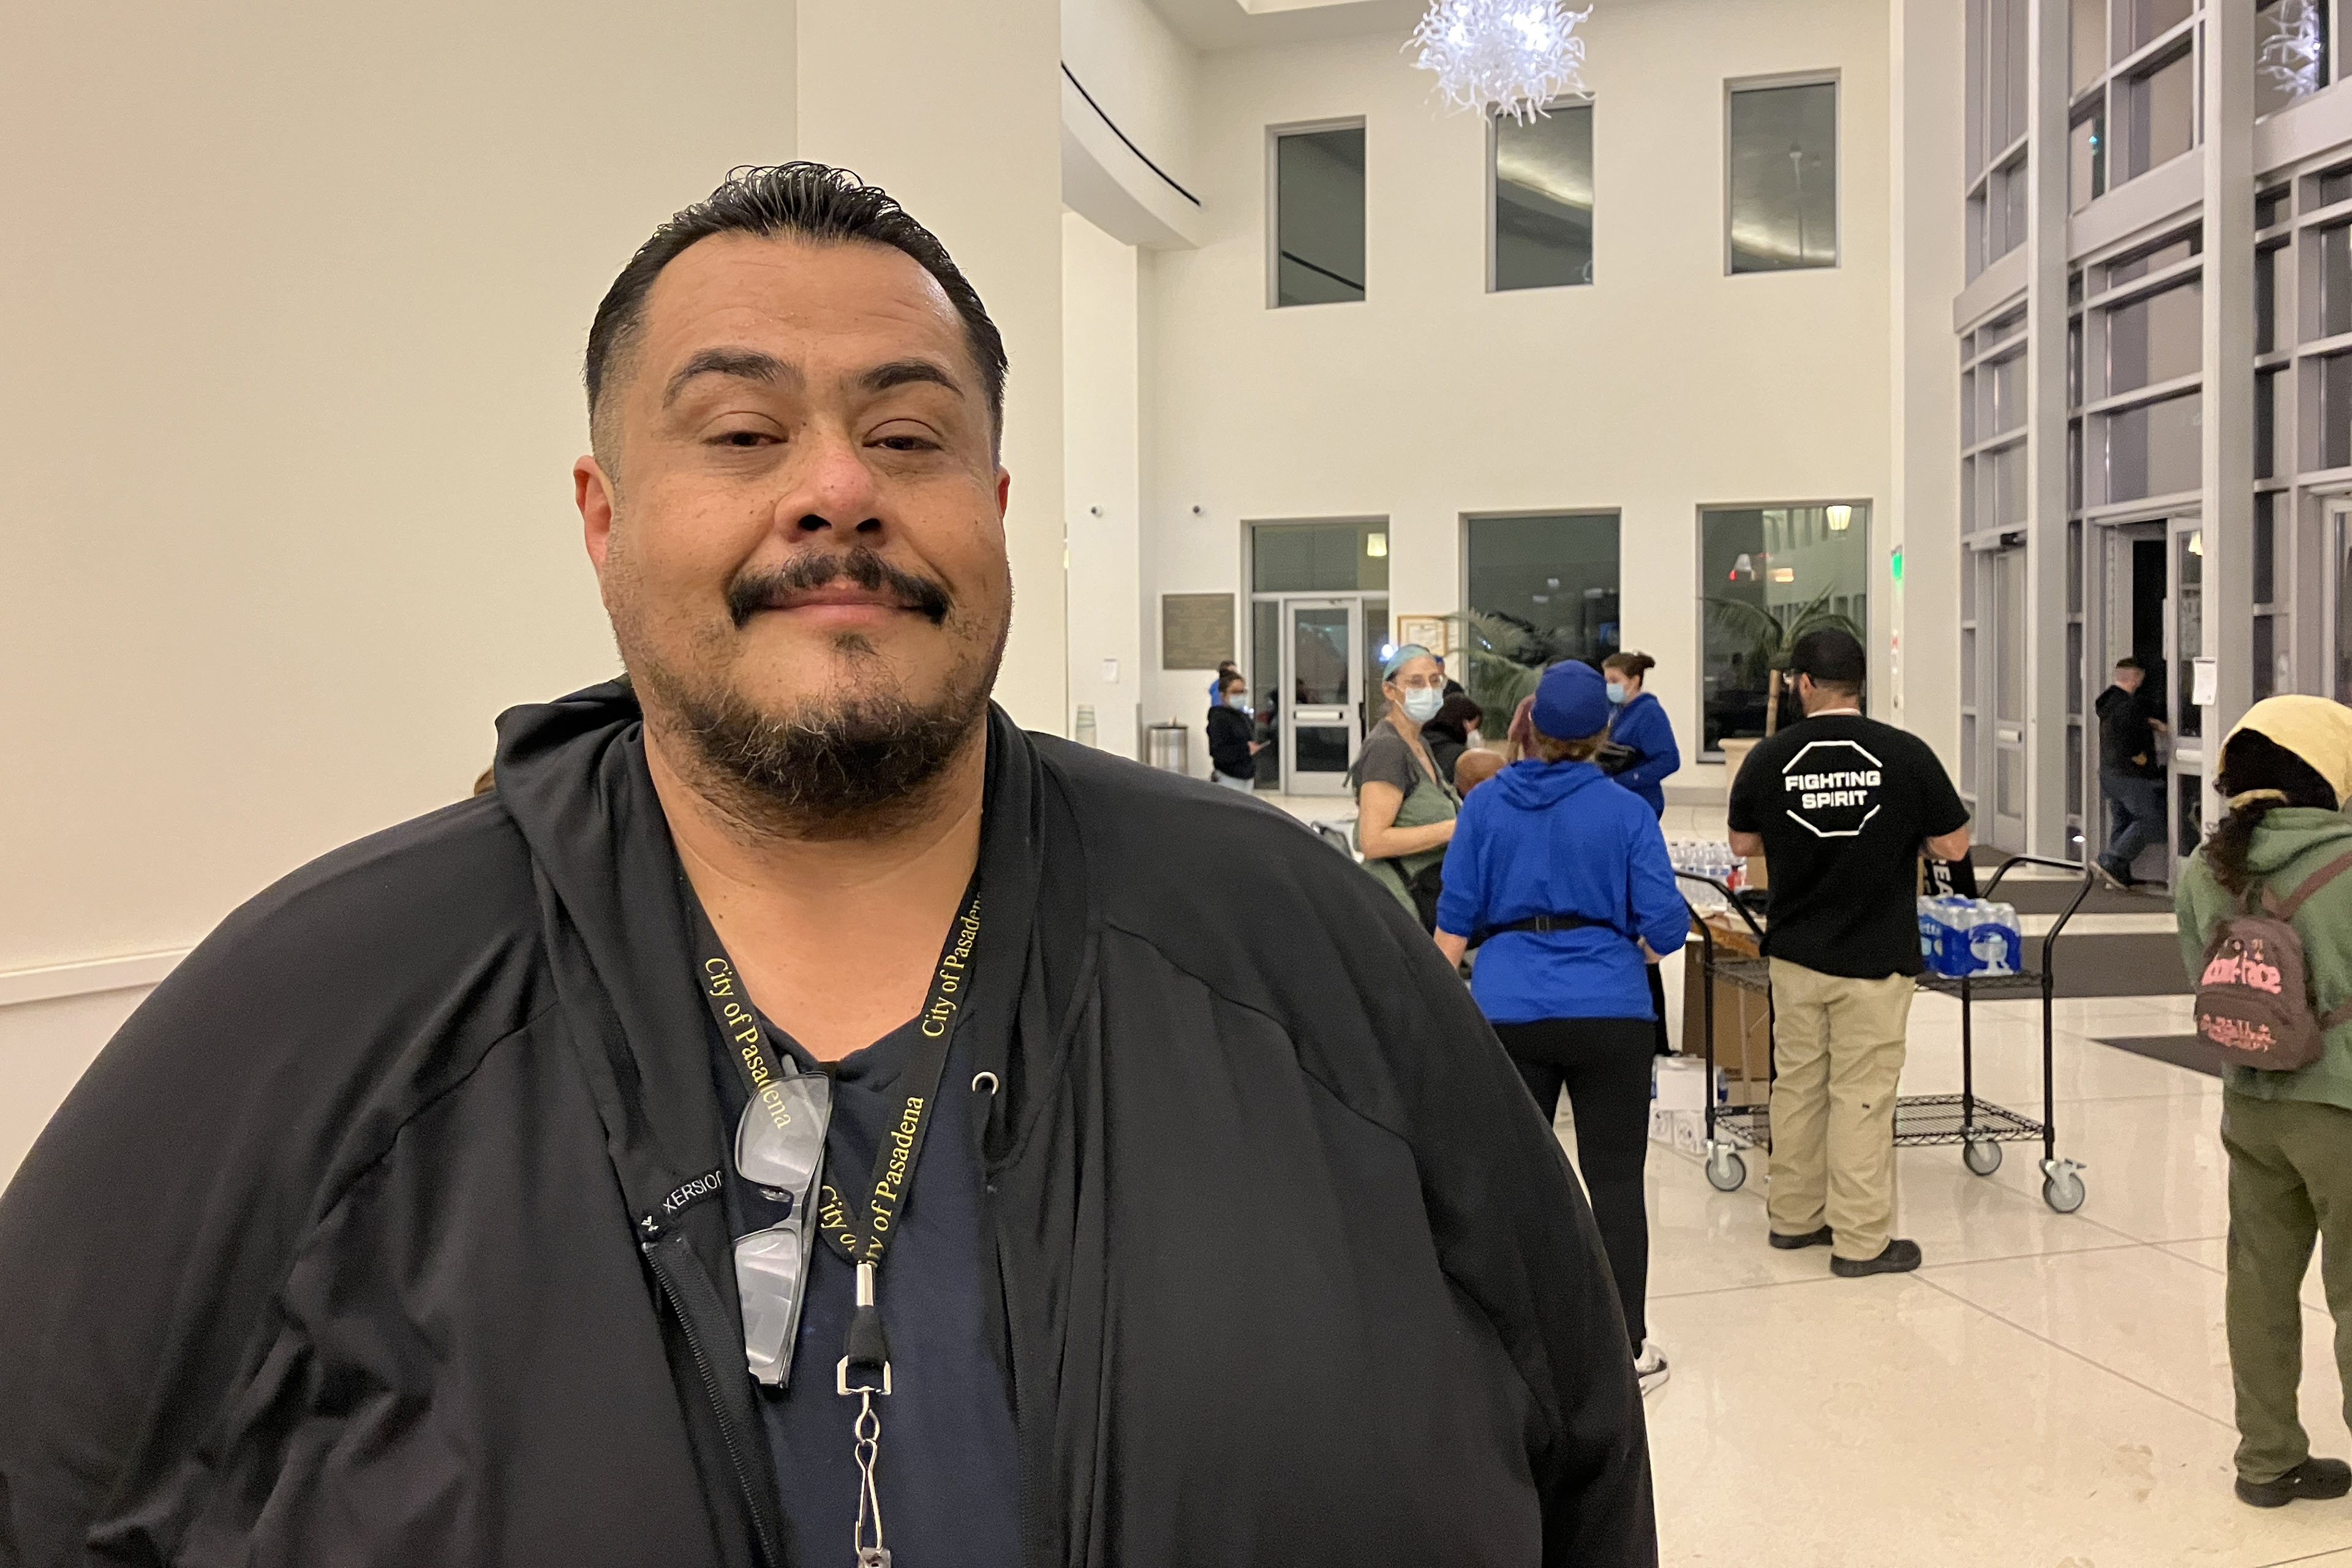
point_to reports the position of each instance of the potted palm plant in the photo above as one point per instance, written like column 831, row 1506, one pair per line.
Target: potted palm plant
column 1765, row 634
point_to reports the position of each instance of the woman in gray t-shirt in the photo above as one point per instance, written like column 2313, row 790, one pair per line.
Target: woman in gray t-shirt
column 1404, row 810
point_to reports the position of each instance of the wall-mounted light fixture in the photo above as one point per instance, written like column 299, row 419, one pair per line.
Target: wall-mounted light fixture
column 1376, row 545
column 1840, row 519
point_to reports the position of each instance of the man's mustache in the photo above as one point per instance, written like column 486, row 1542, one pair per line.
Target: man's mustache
column 749, row 595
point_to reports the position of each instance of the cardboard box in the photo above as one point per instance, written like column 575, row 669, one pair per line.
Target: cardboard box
column 1743, row 1017
column 1679, row 1083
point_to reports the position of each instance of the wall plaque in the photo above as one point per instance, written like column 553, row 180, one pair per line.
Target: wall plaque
column 1196, row 630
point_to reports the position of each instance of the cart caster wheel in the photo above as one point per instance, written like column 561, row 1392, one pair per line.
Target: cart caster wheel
column 2063, row 1192
column 1726, row 1171
column 1982, row 1156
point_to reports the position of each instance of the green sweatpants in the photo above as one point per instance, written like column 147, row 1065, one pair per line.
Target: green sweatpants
column 2290, row 1183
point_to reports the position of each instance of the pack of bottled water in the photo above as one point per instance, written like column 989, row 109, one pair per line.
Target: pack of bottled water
column 1713, row 860
column 1960, row 936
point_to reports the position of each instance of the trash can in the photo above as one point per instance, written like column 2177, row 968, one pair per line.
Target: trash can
column 1166, row 747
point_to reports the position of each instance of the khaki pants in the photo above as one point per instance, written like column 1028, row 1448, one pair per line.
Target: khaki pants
column 2290, row 1183
column 1838, row 1044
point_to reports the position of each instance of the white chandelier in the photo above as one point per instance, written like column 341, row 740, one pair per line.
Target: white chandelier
column 1511, row 56
column 2294, row 54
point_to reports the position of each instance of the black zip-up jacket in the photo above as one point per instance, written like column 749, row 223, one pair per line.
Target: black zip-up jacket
column 1231, row 731
column 372, row 1238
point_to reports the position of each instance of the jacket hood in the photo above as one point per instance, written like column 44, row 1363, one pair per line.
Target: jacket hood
column 2288, row 833
column 1531, row 786
column 2113, row 697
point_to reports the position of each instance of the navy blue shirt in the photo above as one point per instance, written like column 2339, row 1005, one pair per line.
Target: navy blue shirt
column 950, row 1468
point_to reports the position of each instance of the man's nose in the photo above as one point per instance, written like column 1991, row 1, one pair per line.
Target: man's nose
column 837, row 493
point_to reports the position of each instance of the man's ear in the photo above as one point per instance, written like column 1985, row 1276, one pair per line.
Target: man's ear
column 592, row 492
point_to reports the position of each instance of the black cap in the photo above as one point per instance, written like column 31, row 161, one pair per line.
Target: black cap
column 1832, row 656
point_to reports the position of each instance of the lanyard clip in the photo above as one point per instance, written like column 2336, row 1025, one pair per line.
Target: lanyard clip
column 844, row 1386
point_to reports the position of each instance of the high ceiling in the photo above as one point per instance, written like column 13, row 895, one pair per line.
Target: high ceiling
column 1240, row 23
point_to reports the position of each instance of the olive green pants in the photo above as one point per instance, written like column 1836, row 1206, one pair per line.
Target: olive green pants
column 2290, row 1184
column 1838, row 1044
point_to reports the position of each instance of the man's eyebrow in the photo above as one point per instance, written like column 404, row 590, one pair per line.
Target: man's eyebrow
column 909, row 372
column 744, row 364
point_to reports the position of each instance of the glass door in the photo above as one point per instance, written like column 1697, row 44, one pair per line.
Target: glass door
column 2008, row 618
column 2137, row 615
column 2339, row 608
column 2185, row 634
column 1323, row 657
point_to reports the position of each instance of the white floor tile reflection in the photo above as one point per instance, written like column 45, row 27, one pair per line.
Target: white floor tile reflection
column 2050, row 1390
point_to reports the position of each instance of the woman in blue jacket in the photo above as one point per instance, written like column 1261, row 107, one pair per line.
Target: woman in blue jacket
column 1639, row 724
column 1564, row 878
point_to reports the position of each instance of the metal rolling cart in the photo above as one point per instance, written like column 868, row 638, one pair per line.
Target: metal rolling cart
column 1977, row 1125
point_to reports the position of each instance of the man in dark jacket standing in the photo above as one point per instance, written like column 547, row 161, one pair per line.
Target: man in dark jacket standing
column 797, row 1117
column 2131, row 776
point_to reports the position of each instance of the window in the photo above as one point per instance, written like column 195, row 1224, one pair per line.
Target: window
column 2154, row 338
column 2266, row 337
column 1783, row 177
column 1542, row 589
column 2155, row 259
column 2007, row 380
column 2086, row 173
column 2266, row 430
column 2335, row 185
column 2290, row 52
column 2139, row 23
column 2269, row 207
column 2335, row 281
column 1540, row 199
column 1318, row 216
column 1319, row 557
column 2089, row 41
column 2159, row 110
column 1766, row 575
column 2335, row 412
column 2265, row 547
column 2156, row 449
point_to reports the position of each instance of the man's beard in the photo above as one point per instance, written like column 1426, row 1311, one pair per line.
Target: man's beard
column 854, row 766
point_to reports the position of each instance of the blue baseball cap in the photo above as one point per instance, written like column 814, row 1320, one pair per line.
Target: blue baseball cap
column 1571, row 701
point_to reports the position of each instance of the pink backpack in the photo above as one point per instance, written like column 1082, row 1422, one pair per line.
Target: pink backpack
column 2253, row 997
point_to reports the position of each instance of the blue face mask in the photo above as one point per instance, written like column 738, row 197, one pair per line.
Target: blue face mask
column 1239, row 702
column 1421, row 703
column 1616, row 692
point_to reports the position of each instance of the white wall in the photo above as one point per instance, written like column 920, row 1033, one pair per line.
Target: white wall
column 291, row 307
column 1102, row 488
column 956, row 110
column 1664, row 386
column 1139, row 74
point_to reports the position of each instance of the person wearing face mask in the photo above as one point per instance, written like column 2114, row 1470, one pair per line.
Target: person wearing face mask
column 1638, row 723
column 1233, row 744
column 1404, row 807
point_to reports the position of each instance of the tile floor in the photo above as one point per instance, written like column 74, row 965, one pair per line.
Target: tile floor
column 2049, row 1390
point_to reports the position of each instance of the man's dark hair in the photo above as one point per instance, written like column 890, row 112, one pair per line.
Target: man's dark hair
column 813, row 202
column 1833, row 657
column 2128, row 662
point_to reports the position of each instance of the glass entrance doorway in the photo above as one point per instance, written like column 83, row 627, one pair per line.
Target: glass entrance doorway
column 1319, row 619
column 2153, row 612
column 1330, row 692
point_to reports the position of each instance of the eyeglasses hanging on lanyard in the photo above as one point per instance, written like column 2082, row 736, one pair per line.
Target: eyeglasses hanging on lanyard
column 785, row 1137
column 780, row 1149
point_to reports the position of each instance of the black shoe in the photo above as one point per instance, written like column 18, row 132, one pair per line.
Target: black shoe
column 1821, row 1238
column 1900, row 1258
column 2119, row 881
column 2311, row 1478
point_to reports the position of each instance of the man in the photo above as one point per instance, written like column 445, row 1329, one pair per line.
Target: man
column 2130, row 777
column 798, row 1118
column 1839, row 805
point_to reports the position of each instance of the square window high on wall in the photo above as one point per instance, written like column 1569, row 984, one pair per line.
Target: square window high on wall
column 1766, row 576
column 1781, row 175
column 1539, row 199
column 1317, row 221
column 1543, row 587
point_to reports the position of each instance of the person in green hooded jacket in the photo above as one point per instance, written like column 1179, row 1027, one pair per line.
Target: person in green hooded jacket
column 2286, row 771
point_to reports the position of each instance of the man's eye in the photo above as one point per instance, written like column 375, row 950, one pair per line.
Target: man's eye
column 906, row 443
column 743, row 439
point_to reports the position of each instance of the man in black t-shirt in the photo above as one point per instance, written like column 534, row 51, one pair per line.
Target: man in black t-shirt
column 1840, row 806
column 2131, row 776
